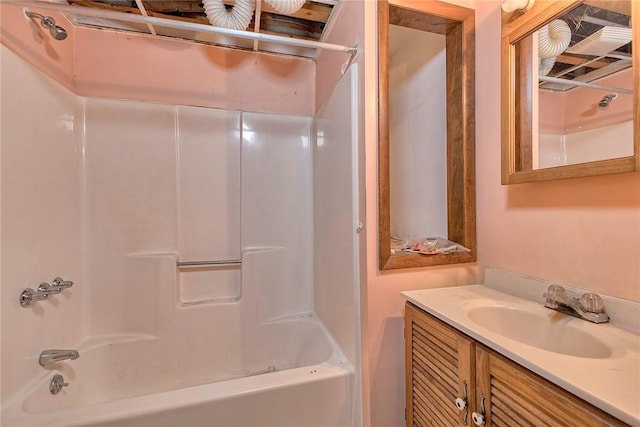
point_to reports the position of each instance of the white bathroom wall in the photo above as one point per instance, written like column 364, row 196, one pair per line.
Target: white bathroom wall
column 171, row 180
column 130, row 208
column 607, row 142
column 40, row 218
column 277, row 208
column 209, row 202
column 335, row 192
column 417, row 129
column 335, row 242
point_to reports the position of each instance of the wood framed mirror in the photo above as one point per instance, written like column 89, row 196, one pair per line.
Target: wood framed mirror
column 426, row 167
column 570, row 82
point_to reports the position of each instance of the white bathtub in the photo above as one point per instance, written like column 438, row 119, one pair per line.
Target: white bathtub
column 299, row 379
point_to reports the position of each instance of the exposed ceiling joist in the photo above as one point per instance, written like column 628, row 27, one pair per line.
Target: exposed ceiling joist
column 622, row 7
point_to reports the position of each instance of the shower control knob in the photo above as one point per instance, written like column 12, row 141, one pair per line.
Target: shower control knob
column 57, row 383
column 58, row 284
column 29, row 296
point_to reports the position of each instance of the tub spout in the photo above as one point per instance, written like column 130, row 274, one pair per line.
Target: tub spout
column 49, row 357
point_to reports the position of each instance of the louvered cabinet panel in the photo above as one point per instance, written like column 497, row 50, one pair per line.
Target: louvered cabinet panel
column 439, row 367
column 515, row 396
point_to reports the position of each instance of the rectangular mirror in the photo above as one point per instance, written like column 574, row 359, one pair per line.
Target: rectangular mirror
column 569, row 90
column 426, row 134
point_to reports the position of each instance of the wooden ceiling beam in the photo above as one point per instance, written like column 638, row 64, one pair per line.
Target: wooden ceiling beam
column 310, row 11
column 576, row 60
column 618, row 6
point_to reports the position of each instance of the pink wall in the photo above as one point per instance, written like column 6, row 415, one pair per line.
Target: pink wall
column 581, row 232
column 551, row 112
column 577, row 110
column 111, row 64
column 135, row 66
column 582, row 111
column 33, row 44
column 383, row 344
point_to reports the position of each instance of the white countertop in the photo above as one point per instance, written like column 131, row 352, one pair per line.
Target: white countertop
column 611, row 384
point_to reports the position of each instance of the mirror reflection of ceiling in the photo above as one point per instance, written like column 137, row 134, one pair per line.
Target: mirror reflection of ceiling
column 307, row 23
column 600, row 43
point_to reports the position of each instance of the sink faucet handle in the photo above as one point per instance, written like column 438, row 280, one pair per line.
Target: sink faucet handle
column 592, row 303
column 557, row 291
column 554, row 295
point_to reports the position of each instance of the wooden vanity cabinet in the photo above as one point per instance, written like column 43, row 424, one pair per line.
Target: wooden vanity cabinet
column 439, row 370
column 440, row 360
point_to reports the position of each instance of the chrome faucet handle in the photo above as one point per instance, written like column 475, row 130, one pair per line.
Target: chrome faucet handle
column 29, row 296
column 58, row 285
column 48, row 289
column 57, row 383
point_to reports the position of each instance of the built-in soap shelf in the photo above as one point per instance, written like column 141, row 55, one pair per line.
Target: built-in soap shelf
column 217, row 280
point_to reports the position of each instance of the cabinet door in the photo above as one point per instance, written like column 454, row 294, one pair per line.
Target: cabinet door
column 515, row 396
column 439, row 368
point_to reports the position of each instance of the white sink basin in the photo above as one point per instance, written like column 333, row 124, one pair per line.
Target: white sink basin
column 539, row 327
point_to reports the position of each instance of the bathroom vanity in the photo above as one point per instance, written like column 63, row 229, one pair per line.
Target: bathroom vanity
column 476, row 355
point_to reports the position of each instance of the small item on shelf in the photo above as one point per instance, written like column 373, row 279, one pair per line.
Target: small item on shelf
column 428, row 246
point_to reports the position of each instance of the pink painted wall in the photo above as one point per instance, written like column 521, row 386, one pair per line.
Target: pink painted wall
column 33, row 43
column 136, row 66
column 383, row 341
column 551, row 112
column 111, row 64
column 577, row 110
column 581, row 232
column 581, row 106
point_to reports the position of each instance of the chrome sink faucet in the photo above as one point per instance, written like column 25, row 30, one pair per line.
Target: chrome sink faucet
column 588, row 307
column 48, row 357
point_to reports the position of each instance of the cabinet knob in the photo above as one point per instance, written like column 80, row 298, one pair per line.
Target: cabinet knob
column 478, row 419
column 461, row 403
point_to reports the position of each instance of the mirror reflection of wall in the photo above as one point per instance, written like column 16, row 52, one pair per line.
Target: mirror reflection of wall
column 585, row 96
column 417, row 129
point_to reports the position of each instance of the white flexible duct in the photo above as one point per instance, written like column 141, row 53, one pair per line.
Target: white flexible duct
column 286, row 6
column 553, row 39
column 238, row 18
column 546, row 65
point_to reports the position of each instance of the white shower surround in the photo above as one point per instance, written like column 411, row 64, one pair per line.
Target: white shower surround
column 128, row 293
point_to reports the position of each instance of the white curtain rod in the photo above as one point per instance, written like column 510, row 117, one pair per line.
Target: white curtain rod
column 181, row 25
column 567, row 82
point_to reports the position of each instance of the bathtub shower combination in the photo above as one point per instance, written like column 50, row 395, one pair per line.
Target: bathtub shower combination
column 298, row 379
column 204, row 282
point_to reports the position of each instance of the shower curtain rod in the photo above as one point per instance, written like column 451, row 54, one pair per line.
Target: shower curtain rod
column 584, row 84
column 182, row 25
